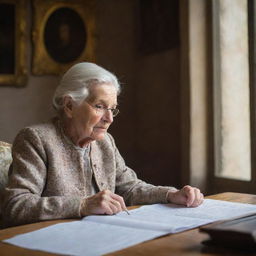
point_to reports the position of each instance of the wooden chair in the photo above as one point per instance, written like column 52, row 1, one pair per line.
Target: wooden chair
column 5, row 161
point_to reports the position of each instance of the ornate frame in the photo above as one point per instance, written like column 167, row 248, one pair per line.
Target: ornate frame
column 19, row 77
column 42, row 62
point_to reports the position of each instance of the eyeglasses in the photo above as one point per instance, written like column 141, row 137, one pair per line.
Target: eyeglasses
column 101, row 110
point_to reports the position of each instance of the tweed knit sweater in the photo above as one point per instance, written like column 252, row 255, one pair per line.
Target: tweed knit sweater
column 47, row 179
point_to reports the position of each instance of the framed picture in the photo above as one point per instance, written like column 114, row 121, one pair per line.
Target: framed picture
column 63, row 34
column 13, row 35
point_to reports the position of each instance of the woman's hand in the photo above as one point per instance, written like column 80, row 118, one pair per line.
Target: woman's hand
column 104, row 202
column 189, row 196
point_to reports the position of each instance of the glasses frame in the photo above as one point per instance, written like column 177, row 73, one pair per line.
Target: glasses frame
column 102, row 110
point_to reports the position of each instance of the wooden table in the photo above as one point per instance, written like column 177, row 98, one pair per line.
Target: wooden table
column 184, row 243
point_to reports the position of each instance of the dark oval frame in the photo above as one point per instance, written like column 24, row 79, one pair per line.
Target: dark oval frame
column 60, row 49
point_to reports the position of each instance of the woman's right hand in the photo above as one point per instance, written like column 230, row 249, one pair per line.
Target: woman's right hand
column 104, row 202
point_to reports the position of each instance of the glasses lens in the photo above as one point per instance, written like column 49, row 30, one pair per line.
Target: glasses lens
column 115, row 112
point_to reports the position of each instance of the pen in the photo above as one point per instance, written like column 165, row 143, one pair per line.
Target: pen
column 127, row 211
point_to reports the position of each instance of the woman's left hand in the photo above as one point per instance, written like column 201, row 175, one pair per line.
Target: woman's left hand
column 189, row 196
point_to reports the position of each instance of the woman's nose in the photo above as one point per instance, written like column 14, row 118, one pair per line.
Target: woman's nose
column 108, row 116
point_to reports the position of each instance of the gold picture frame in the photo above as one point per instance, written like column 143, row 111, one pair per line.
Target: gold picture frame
column 13, row 36
column 63, row 34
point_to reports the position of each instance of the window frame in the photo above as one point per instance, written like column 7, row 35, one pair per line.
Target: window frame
column 221, row 184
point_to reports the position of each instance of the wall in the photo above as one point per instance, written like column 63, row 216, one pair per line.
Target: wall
column 158, row 117
column 147, row 130
column 196, row 93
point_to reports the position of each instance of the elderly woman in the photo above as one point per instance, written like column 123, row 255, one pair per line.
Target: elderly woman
column 70, row 167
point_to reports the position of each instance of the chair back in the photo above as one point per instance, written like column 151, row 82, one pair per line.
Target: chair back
column 5, row 161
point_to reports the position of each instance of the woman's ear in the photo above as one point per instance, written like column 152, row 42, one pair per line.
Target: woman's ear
column 68, row 106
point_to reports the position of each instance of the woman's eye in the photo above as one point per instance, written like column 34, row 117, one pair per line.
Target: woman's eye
column 99, row 106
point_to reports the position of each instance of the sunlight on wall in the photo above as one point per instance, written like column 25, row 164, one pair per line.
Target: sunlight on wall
column 231, row 90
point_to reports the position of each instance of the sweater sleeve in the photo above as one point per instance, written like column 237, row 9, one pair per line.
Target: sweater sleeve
column 133, row 190
column 22, row 201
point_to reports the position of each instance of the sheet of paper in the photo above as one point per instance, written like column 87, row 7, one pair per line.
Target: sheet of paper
column 83, row 238
column 97, row 235
column 175, row 218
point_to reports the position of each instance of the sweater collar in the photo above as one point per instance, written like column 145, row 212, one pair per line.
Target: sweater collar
column 67, row 139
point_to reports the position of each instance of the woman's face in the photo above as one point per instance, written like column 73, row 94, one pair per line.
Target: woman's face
column 85, row 122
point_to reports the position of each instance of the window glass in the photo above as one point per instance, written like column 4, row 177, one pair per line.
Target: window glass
column 231, row 90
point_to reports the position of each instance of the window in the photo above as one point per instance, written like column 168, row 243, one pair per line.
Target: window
column 231, row 90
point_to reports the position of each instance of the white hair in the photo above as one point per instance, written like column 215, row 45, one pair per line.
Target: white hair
column 76, row 83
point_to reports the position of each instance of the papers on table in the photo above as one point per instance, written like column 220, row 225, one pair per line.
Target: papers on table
column 97, row 235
